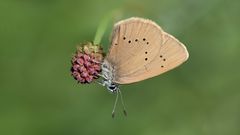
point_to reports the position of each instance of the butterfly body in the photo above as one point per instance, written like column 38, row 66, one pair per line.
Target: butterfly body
column 108, row 76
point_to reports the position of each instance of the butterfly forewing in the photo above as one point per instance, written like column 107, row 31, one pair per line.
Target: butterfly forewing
column 140, row 49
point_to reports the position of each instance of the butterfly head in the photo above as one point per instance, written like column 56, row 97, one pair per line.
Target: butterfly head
column 112, row 87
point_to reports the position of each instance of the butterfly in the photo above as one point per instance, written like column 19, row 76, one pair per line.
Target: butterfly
column 139, row 50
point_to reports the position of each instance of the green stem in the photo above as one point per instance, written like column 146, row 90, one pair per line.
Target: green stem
column 102, row 27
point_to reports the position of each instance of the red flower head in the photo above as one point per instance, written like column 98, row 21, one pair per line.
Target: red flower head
column 86, row 63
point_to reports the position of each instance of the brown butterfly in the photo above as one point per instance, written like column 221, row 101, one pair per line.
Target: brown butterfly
column 139, row 50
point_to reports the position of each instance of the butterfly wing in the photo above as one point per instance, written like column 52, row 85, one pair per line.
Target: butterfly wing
column 141, row 49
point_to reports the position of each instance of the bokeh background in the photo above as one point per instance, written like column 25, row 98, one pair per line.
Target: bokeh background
column 39, row 97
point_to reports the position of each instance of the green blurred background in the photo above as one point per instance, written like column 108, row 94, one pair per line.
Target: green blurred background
column 39, row 97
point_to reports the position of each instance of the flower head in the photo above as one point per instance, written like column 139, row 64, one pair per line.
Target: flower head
column 86, row 63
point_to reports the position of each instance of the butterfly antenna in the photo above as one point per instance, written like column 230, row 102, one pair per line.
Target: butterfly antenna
column 124, row 108
column 115, row 104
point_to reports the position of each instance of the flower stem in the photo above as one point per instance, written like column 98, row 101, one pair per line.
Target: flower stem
column 103, row 26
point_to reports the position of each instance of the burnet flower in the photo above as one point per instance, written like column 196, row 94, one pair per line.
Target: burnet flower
column 86, row 63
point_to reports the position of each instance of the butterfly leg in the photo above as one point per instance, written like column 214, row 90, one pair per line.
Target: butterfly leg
column 102, row 76
column 101, row 82
column 96, row 61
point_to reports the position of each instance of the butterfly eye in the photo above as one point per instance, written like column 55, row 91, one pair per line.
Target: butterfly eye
column 145, row 52
column 146, row 59
column 129, row 41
